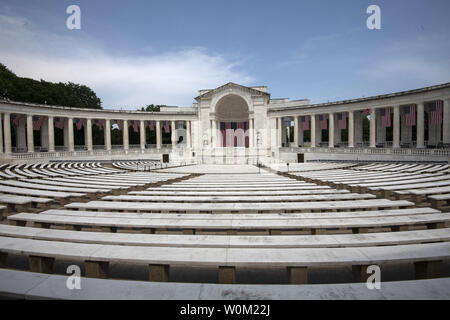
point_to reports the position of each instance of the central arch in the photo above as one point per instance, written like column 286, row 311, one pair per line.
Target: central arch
column 232, row 113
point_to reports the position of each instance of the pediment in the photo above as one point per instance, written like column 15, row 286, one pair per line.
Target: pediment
column 231, row 85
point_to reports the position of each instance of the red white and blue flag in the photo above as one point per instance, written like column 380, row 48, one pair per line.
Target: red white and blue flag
column 59, row 122
column 151, row 125
column 305, row 122
column 385, row 116
column 323, row 121
column 435, row 112
column 410, row 115
column 37, row 122
column 79, row 123
column 342, row 121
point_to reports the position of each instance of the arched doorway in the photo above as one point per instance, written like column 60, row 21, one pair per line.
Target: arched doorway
column 232, row 115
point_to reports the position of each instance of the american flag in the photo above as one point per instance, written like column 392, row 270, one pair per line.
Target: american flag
column 410, row 115
column 37, row 122
column 342, row 121
column 436, row 113
column 323, row 121
column 305, row 123
column 166, row 126
column 59, row 122
column 79, row 123
column 135, row 125
column 99, row 123
column 151, row 125
column 16, row 119
column 385, row 115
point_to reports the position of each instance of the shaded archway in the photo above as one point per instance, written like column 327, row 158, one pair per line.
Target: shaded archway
column 232, row 114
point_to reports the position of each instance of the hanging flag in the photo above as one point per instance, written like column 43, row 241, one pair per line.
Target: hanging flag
column 342, row 121
column 37, row 122
column 59, row 122
column 305, row 122
column 99, row 123
column 435, row 112
column 410, row 115
column 323, row 121
column 166, row 126
column 135, row 125
column 79, row 123
column 385, row 116
column 151, row 125
column 16, row 119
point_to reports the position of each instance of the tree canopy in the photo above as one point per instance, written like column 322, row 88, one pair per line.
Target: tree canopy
column 152, row 108
column 67, row 94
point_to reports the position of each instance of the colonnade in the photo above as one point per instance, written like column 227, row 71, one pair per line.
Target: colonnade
column 401, row 119
column 25, row 132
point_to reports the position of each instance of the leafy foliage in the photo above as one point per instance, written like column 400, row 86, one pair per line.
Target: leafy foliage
column 68, row 94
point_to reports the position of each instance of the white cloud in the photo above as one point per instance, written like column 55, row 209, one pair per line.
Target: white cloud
column 171, row 78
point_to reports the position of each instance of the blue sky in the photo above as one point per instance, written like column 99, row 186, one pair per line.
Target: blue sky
column 134, row 53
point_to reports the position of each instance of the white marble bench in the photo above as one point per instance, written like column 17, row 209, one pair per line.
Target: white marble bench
column 250, row 216
column 273, row 226
column 39, row 193
column 241, row 207
column 440, row 201
column 241, row 199
column 23, row 184
column 165, row 192
column 230, row 241
column 31, row 285
column 427, row 258
column 19, row 203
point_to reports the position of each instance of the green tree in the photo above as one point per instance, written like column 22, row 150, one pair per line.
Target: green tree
column 44, row 92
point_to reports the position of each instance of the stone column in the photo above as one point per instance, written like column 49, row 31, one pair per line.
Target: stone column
column 7, row 128
column 30, row 137
column 373, row 127
column 296, row 135
column 188, row 134
column 331, row 130
column 312, row 126
column 351, row 129
column 142, row 134
column 89, row 134
column 396, row 128
column 108, row 134
column 70, row 134
column 251, row 134
column 126, row 144
column 51, row 135
column 446, row 121
column 158, row 134
column 280, row 131
column 213, row 133
column 420, row 125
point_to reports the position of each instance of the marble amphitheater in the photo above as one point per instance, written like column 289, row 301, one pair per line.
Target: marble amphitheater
column 240, row 196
